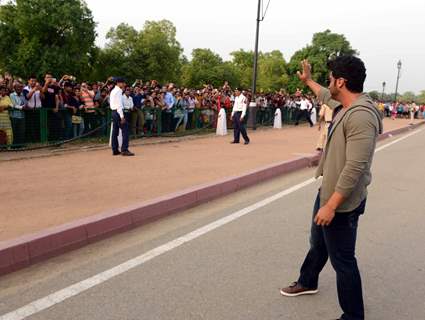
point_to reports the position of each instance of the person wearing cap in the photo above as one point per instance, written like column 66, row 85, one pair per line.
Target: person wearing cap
column 118, row 119
column 238, row 117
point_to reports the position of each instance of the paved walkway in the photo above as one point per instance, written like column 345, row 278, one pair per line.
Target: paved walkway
column 182, row 268
column 45, row 192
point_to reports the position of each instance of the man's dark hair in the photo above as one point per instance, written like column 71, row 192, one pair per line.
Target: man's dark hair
column 351, row 69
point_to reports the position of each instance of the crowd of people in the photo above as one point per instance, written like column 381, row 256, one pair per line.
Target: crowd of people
column 401, row 109
column 78, row 108
column 74, row 109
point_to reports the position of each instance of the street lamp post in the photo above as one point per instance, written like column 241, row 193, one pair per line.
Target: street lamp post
column 383, row 90
column 252, row 121
column 398, row 77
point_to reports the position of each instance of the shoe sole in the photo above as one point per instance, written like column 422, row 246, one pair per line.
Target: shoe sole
column 286, row 294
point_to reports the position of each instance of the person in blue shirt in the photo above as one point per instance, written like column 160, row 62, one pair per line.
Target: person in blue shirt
column 137, row 115
column 167, row 112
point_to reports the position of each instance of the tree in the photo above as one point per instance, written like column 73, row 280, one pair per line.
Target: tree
column 37, row 36
column 324, row 46
column 421, row 97
column 272, row 69
column 160, row 51
column 375, row 95
column 408, row 96
column 272, row 74
column 207, row 67
column 117, row 56
column 151, row 53
column 244, row 64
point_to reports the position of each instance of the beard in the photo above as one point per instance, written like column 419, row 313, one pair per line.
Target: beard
column 334, row 93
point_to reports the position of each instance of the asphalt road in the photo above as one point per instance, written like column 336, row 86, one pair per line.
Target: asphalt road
column 235, row 270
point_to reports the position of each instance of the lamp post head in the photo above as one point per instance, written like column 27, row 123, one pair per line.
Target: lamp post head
column 399, row 64
column 384, row 83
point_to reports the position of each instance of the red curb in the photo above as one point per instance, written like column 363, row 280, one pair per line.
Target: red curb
column 24, row 251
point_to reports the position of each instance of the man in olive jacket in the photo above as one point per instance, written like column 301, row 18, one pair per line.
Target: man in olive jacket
column 345, row 167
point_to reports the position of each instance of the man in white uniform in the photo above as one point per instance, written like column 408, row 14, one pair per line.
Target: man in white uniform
column 118, row 119
column 304, row 111
column 238, row 117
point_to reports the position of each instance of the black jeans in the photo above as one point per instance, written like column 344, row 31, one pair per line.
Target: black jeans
column 239, row 127
column 338, row 242
column 167, row 121
column 18, row 127
column 116, row 120
column 303, row 114
column 55, row 125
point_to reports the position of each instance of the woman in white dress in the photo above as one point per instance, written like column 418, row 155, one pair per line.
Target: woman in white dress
column 313, row 115
column 221, row 123
column 277, row 119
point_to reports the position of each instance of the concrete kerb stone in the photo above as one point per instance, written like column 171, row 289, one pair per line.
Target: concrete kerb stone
column 24, row 251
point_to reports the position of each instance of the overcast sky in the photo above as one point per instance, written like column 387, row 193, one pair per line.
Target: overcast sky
column 383, row 32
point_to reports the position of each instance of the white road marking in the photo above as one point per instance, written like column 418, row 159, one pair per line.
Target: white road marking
column 397, row 140
column 77, row 288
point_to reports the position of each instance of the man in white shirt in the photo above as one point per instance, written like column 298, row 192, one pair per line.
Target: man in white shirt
column 118, row 119
column 238, row 117
column 304, row 112
column 127, row 100
column 32, row 93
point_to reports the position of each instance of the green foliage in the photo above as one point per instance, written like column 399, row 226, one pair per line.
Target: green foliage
column 388, row 97
column 324, row 46
column 207, row 67
column 272, row 74
column 421, row 97
column 408, row 96
column 46, row 35
column 151, row 53
column 375, row 95
column 244, row 64
column 58, row 36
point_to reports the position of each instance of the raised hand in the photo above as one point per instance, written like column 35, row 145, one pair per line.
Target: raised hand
column 305, row 75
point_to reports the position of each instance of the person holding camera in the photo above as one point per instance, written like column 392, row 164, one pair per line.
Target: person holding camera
column 50, row 100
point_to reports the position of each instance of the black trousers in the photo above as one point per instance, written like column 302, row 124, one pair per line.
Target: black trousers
column 338, row 242
column 239, row 127
column 55, row 125
column 116, row 120
column 32, row 125
column 303, row 114
column 167, row 121
column 18, row 127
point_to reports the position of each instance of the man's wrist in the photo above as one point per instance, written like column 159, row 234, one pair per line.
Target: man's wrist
column 308, row 81
column 331, row 205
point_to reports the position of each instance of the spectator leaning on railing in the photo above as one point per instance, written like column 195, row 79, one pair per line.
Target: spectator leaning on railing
column 17, row 114
column 50, row 100
column 137, row 115
column 6, row 133
column 73, row 109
